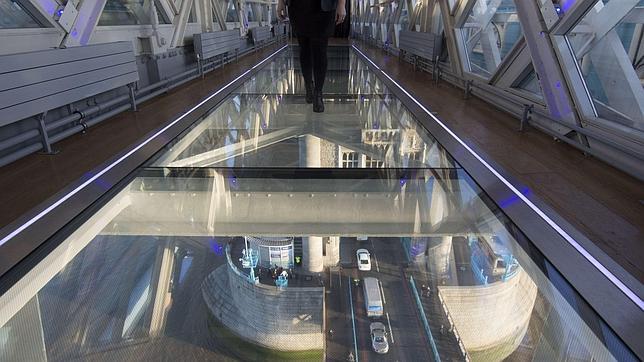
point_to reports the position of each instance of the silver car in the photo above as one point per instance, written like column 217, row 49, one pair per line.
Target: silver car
column 379, row 338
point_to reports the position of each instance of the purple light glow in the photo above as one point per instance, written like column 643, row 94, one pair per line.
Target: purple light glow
column 513, row 198
column 216, row 247
column 49, row 6
column 567, row 4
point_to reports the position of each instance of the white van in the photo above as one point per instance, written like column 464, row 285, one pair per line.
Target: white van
column 372, row 297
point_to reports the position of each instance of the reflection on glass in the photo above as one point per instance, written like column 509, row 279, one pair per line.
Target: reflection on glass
column 245, row 266
column 130, row 12
column 14, row 16
column 254, row 263
column 608, row 49
column 491, row 31
column 268, row 124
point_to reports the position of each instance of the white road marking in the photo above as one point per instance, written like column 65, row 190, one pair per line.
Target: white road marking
column 382, row 292
column 375, row 258
column 391, row 331
column 353, row 321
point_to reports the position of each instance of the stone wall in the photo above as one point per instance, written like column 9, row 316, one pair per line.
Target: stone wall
column 491, row 317
column 290, row 319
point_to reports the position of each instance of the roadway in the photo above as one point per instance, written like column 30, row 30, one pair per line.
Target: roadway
column 346, row 308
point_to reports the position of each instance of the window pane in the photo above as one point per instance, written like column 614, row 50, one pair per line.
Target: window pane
column 231, row 14
column 128, row 12
column 192, row 18
column 13, row 16
column 530, row 83
column 250, row 16
column 607, row 44
column 491, row 30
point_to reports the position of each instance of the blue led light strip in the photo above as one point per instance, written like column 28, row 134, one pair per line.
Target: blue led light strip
column 602, row 269
column 128, row 154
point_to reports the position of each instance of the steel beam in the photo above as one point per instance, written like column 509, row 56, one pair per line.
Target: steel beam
column 555, row 90
column 180, row 23
column 204, row 15
column 81, row 32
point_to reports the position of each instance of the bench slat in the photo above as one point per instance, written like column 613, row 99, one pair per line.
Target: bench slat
column 26, row 77
column 43, row 58
column 260, row 34
column 426, row 45
column 208, row 45
column 39, row 90
column 35, row 82
column 7, row 115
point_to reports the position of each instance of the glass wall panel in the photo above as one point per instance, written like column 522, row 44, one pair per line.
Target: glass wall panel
column 232, row 16
column 192, row 18
column 14, row 16
column 129, row 12
column 491, row 30
column 609, row 48
column 250, row 14
column 530, row 83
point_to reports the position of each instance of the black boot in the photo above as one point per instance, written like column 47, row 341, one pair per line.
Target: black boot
column 309, row 92
column 318, row 103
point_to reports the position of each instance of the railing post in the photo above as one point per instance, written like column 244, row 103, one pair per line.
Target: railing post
column 468, row 88
column 132, row 97
column 43, row 135
column 526, row 117
column 199, row 66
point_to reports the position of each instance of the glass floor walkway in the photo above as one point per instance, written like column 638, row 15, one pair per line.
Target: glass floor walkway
column 239, row 241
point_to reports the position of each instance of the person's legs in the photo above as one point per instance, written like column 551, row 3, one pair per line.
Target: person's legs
column 306, row 63
column 319, row 49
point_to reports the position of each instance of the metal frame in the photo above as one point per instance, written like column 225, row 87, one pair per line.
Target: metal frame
column 84, row 26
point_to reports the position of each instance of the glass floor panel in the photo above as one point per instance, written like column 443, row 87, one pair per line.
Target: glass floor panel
column 267, row 123
column 252, row 237
column 264, row 130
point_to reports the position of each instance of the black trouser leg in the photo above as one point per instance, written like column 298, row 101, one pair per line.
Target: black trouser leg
column 305, row 58
column 318, row 50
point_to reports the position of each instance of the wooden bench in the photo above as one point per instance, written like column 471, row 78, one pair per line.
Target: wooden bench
column 421, row 45
column 34, row 83
column 218, row 43
column 260, row 35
